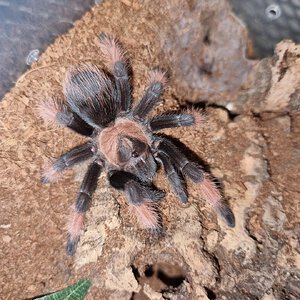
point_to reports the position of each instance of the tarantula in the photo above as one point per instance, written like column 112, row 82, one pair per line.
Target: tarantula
column 98, row 105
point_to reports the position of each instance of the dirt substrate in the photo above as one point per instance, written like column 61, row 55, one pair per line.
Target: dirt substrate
column 254, row 152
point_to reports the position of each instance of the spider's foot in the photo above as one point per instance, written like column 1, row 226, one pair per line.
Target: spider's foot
column 50, row 174
column 111, row 49
column 183, row 197
column 72, row 246
column 199, row 116
column 226, row 213
column 158, row 75
column 157, row 231
column 212, row 195
column 75, row 227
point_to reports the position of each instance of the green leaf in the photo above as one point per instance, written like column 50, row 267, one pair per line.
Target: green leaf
column 76, row 291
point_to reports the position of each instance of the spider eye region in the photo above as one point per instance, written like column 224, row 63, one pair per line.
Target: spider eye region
column 129, row 147
column 125, row 150
column 135, row 154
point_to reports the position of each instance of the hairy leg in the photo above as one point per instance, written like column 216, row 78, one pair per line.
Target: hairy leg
column 212, row 195
column 178, row 159
column 82, row 204
column 173, row 177
column 56, row 110
column 207, row 187
column 170, row 120
column 152, row 94
column 142, row 199
column 116, row 62
column 90, row 93
column 74, row 156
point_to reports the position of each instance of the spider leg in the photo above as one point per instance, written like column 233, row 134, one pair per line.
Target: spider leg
column 141, row 198
column 171, row 120
column 116, row 62
column 152, row 94
column 55, row 110
column 206, row 186
column 74, row 156
column 90, row 93
column 173, row 177
column 82, row 204
column 178, row 159
column 212, row 195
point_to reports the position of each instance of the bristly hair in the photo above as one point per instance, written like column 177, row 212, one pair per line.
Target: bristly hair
column 152, row 94
column 75, row 226
column 200, row 117
column 147, row 214
column 157, row 75
column 90, row 94
column 50, row 173
column 111, row 49
column 209, row 190
column 212, row 195
column 50, row 108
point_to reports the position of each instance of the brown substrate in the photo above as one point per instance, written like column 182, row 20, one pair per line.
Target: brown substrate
column 255, row 158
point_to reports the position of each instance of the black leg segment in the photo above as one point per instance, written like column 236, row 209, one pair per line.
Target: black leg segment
column 151, row 96
column 173, row 177
column 88, row 187
column 123, row 85
column 178, row 159
column 74, row 156
column 142, row 199
column 171, row 121
column 135, row 191
column 73, row 121
column 226, row 213
column 115, row 59
column 55, row 109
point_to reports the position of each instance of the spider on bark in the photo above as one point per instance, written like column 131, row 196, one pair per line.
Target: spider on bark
column 122, row 141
